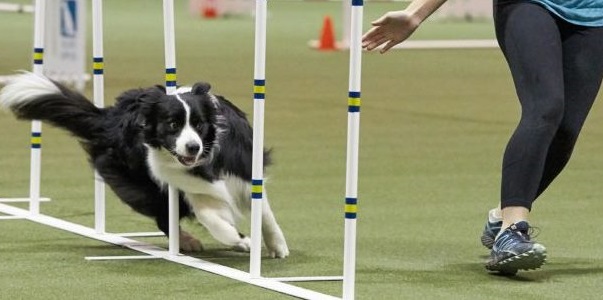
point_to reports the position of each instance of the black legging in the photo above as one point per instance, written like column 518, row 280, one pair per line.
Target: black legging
column 557, row 69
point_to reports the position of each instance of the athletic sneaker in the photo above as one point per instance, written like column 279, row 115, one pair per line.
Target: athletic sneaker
column 490, row 232
column 513, row 250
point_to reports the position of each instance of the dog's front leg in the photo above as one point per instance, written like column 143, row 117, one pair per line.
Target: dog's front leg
column 217, row 217
column 272, row 233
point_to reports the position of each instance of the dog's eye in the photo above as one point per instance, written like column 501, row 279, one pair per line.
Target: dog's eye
column 173, row 125
column 200, row 126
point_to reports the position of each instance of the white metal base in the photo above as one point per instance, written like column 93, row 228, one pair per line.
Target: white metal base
column 17, row 200
column 10, row 218
column 306, row 279
column 153, row 251
column 128, row 257
column 140, row 234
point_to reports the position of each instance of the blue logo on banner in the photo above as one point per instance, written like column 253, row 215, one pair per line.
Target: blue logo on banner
column 69, row 24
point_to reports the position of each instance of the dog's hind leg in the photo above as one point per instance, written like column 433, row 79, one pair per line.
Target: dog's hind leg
column 217, row 217
column 272, row 233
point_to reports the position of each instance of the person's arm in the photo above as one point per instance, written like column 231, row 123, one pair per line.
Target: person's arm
column 396, row 26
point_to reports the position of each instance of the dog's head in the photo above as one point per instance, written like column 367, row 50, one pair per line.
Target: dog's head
column 183, row 125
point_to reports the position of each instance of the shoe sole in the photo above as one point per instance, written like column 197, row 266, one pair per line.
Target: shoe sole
column 530, row 260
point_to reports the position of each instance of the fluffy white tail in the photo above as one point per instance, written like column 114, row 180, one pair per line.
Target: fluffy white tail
column 25, row 87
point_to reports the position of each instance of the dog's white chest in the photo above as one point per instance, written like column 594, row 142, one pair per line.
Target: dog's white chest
column 165, row 169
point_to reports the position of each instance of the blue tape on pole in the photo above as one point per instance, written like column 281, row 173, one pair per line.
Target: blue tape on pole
column 259, row 89
column 36, row 140
column 170, row 77
column 354, row 102
column 351, row 208
column 38, row 56
column 98, row 65
column 257, row 188
column 357, row 2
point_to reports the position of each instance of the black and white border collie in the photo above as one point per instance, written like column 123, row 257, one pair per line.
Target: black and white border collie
column 198, row 142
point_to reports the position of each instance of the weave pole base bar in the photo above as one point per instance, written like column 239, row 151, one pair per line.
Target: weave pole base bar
column 140, row 234
column 17, row 200
column 154, row 251
column 307, row 279
column 10, row 218
column 127, row 257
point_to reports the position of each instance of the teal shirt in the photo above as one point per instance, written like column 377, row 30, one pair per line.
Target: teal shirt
column 579, row 12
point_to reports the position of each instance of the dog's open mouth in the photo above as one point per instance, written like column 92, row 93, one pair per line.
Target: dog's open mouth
column 187, row 160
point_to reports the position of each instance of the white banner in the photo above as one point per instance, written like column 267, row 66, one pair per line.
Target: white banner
column 65, row 42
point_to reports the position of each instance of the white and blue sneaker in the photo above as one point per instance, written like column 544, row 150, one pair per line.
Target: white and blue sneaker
column 490, row 232
column 492, row 228
column 513, row 250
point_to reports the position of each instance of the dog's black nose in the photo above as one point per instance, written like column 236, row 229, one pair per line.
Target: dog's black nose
column 192, row 148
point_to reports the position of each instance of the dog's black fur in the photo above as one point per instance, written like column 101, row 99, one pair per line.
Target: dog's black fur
column 202, row 136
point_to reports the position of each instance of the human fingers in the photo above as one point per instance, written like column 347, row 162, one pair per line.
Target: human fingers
column 370, row 34
column 375, row 42
column 388, row 46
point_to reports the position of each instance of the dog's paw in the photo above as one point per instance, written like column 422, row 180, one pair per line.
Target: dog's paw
column 277, row 246
column 280, row 251
column 244, row 245
column 189, row 243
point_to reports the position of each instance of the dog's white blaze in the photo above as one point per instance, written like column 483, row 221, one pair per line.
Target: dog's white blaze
column 188, row 134
column 184, row 89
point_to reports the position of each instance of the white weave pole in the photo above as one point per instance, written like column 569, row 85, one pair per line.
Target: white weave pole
column 351, row 185
column 99, row 101
column 170, row 85
column 257, row 172
column 36, row 125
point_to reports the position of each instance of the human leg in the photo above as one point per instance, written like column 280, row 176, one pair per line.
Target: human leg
column 582, row 58
column 583, row 71
column 531, row 42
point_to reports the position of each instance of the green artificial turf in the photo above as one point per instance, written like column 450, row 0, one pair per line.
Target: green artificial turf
column 434, row 124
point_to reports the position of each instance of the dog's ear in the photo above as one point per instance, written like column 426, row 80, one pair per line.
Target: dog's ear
column 151, row 95
column 147, row 100
column 201, row 88
column 146, row 108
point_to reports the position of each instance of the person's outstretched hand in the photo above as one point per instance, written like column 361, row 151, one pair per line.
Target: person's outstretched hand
column 392, row 28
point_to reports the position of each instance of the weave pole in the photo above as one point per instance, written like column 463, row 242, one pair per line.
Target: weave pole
column 36, row 125
column 351, row 185
column 170, row 85
column 257, row 172
column 99, row 101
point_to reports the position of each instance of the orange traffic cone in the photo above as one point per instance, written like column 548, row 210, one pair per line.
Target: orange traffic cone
column 209, row 10
column 327, row 36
